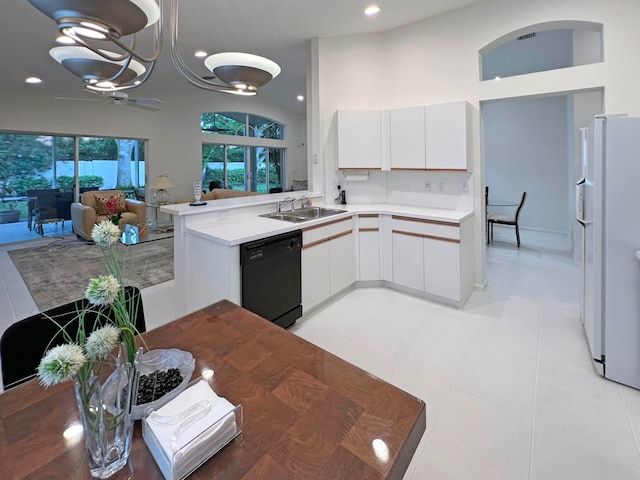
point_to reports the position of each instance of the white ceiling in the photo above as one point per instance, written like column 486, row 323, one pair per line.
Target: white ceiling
column 277, row 29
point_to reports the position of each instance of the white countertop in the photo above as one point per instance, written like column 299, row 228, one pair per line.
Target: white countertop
column 235, row 232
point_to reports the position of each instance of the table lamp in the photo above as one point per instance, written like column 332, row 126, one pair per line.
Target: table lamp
column 160, row 184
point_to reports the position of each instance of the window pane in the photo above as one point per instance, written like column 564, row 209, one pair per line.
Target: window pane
column 110, row 163
column 269, row 159
column 261, row 127
column 223, row 123
column 236, row 168
column 213, row 166
column 276, row 162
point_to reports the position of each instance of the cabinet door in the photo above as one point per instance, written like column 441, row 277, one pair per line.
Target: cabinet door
column 359, row 139
column 342, row 263
column 442, row 268
column 407, row 138
column 408, row 260
column 448, row 136
column 315, row 275
column 369, row 255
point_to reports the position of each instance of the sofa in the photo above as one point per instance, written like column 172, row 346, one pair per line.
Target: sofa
column 91, row 210
column 220, row 193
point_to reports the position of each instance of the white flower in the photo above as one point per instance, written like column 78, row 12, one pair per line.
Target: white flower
column 60, row 364
column 105, row 233
column 102, row 290
column 101, row 342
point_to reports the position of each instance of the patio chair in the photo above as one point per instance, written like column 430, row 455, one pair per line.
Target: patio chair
column 32, row 203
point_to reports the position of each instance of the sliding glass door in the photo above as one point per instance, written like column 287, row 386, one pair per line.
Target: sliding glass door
column 34, row 164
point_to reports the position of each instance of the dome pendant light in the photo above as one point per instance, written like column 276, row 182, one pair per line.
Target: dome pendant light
column 242, row 71
column 98, row 19
column 93, row 68
column 91, row 22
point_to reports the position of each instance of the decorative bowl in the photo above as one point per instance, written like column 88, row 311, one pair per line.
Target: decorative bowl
column 163, row 360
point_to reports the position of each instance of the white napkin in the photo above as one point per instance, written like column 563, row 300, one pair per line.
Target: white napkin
column 212, row 440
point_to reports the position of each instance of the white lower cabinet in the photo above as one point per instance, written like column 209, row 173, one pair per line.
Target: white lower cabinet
column 369, row 251
column 342, row 263
column 315, row 275
column 328, row 261
column 429, row 256
column 433, row 257
column 369, row 255
column 442, row 268
column 408, row 260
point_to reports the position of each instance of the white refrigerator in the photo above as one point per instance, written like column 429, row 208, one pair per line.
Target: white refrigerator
column 608, row 209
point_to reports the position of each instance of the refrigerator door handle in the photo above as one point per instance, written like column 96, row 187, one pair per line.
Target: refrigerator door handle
column 580, row 185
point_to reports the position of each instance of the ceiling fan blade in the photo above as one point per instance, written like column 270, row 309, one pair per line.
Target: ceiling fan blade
column 150, row 108
column 78, row 99
column 145, row 101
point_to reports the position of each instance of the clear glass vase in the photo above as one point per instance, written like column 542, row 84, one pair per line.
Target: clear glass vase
column 105, row 408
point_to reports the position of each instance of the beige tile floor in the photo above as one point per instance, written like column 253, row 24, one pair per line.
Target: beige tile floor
column 510, row 389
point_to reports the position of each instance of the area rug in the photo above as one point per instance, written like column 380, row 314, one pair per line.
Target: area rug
column 58, row 272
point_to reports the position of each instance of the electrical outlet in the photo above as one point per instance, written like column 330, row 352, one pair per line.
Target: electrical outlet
column 427, row 186
column 441, row 187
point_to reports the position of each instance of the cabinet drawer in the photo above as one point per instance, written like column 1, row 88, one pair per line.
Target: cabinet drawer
column 368, row 222
column 326, row 231
column 426, row 228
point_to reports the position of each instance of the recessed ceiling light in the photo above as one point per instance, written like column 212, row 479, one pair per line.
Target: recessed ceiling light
column 33, row 80
column 371, row 10
column 497, row 79
column 300, row 98
column 65, row 40
column 200, row 53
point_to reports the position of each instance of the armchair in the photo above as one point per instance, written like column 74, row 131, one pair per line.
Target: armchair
column 88, row 212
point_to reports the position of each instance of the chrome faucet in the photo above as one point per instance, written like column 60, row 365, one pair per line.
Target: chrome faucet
column 287, row 202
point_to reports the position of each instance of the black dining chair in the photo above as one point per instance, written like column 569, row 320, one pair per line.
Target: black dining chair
column 25, row 342
column 507, row 219
column 33, row 204
column 46, row 210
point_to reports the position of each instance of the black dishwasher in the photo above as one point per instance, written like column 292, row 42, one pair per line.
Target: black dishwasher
column 271, row 277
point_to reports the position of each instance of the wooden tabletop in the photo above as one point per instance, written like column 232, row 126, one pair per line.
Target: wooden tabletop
column 307, row 413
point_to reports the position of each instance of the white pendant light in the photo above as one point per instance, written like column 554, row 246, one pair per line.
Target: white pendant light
column 94, row 68
column 242, row 71
column 100, row 18
column 91, row 23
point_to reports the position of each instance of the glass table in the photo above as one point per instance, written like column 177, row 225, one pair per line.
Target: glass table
column 149, row 234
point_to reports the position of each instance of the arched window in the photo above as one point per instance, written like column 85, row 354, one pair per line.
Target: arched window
column 541, row 47
column 241, row 124
column 243, row 164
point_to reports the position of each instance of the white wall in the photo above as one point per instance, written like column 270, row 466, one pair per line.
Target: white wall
column 173, row 132
column 437, row 60
column 526, row 149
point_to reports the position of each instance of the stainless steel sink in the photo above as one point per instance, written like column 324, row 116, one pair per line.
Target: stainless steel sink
column 303, row 214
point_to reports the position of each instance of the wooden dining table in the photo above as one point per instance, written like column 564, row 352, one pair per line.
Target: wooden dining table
column 307, row 413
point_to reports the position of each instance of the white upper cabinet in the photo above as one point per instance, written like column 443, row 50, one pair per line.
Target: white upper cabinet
column 432, row 137
column 407, row 138
column 448, row 136
column 359, row 139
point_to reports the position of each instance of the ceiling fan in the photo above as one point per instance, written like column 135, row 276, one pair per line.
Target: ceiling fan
column 119, row 98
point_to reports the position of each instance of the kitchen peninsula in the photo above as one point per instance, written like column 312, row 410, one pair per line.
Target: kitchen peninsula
column 424, row 251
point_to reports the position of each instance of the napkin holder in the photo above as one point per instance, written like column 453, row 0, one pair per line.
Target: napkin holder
column 201, row 448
